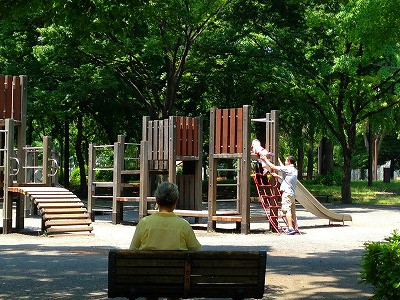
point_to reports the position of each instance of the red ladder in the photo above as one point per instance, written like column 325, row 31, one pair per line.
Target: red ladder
column 270, row 197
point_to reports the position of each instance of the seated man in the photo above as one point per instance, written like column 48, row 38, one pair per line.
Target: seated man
column 164, row 230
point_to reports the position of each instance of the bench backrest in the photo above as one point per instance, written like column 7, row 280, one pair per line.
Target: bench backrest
column 232, row 274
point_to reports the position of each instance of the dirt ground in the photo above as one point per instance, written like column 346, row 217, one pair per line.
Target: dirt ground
column 323, row 262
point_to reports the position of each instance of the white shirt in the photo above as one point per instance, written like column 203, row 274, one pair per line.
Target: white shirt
column 289, row 178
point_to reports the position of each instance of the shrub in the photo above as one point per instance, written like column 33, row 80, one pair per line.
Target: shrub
column 74, row 178
column 333, row 177
column 381, row 267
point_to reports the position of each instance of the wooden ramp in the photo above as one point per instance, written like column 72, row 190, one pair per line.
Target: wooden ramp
column 62, row 211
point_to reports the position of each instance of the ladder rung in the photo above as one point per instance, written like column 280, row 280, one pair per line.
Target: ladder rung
column 103, row 184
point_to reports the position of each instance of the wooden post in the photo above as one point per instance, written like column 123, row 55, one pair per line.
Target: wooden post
column 273, row 121
column 20, row 217
column 275, row 133
column 212, row 178
column 118, row 165
column 91, row 179
column 7, row 203
column 245, row 172
column 172, row 150
column 144, row 177
column 46, row 162
column 54, row 178
column 198, row 192
column 21, row 138
column 29, row 177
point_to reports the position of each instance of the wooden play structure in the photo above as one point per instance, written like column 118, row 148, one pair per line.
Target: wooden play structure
column 28, row 173
column 116, row 163
column 164, row 143
column 230, row 139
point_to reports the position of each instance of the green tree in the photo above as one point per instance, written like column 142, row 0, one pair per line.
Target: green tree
column 329, row 63
column 145, row 43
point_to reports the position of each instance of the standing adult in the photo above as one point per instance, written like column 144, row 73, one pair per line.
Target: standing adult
column 164, row 230
column 288, row 189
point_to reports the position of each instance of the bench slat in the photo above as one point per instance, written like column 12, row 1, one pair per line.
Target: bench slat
column 149, row 279
column 150, row 263
column 149, row 271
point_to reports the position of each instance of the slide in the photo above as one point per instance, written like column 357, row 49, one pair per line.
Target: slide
column 308, row 201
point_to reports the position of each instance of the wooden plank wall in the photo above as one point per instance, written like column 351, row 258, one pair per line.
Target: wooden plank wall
column 187, row 136
column 186, row 142
column 229, row 131
column 186, row 186
column 10, row 97
column 157, row 136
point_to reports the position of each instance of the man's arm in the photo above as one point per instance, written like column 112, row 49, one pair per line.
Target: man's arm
column 268, row 162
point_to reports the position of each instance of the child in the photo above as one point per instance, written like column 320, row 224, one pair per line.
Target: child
column 261, row 151
column 164, row 230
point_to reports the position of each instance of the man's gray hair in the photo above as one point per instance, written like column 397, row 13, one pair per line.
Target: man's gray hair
column 167, row 193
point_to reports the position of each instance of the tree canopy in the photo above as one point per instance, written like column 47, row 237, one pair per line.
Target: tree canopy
column 97, row 67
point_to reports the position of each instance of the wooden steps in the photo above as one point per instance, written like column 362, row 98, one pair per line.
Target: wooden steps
column 62, row 211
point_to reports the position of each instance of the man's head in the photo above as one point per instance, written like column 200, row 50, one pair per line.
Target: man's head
column 167, row 194
column 290, row 160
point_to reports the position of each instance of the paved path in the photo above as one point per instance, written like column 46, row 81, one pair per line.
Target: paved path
column 321, row 263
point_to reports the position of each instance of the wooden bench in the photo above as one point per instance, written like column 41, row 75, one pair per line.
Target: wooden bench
column 186, row 274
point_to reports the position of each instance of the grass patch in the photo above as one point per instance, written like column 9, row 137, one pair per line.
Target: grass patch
column 380, row 193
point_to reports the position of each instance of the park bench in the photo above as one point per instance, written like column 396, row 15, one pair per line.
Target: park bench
column 186, row 274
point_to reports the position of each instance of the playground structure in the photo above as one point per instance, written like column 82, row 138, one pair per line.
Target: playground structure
column 230, row 139
column 179, row 139
column 28, row 174
column 125, row 163
column 164, row 143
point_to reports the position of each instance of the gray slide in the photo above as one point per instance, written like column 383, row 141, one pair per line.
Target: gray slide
column 308, row 201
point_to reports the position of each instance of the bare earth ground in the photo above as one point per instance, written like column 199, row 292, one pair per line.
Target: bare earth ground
column 321, row 263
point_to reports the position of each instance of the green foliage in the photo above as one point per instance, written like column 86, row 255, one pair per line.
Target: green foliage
column 328, row 66
column 381, row 267
column 75, row 177
column 380, row 193
column 333, row 177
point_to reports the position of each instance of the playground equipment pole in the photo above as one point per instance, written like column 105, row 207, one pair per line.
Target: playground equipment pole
column 7, row 203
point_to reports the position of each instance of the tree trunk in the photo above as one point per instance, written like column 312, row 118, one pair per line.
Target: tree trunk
column 346, row 180
column 29, row 132
column 66, row 153
column 300, row 160
column 325, row 156
column 310, row 155
column 370, row 155
column 79, row 156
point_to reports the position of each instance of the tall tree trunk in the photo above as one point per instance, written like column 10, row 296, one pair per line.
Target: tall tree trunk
column 370, row 155
column 79, row 155
column 310, row 153
column 310, row 159
column 29, row 132
column 300, row 160
column 346, row 180
column 66, row 153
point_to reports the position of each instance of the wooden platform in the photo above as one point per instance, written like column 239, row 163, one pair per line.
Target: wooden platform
column 62, row 211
